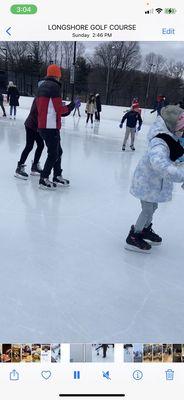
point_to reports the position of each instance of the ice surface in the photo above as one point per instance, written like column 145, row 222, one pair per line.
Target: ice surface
column 65, row 276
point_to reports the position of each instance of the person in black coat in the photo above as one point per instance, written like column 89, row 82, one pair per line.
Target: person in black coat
column 98, row 107
column 13, row 98
column 2, row 105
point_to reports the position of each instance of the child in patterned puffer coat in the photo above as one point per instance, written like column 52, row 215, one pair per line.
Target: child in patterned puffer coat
column 155, row 174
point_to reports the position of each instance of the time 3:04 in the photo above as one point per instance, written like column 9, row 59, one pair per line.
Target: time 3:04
column 23, row 9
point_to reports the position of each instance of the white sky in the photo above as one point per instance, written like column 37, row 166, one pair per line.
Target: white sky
column 173, row 50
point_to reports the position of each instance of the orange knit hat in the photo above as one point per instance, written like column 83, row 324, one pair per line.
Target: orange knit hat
column 54, row 70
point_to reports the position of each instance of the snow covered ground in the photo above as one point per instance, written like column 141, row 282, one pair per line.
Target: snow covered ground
column 65, row 276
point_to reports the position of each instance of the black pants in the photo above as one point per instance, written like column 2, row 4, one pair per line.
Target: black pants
column 89, row 116
column 3, row 109
column 97, row 115
column 54, row 150
column 31, row 137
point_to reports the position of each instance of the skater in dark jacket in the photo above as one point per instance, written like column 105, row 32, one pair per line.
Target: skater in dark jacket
column 13, row 98
column 50, row 110
column 98, row 107
column 132, row 117
column 2, row 105
column 32, row 136
column 160, row 103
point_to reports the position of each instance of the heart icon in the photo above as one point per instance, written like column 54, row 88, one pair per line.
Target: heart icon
column 46, row 374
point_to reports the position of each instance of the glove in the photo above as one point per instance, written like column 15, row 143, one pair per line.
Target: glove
column 86, row 111
column 139, row 128
column 121, row 125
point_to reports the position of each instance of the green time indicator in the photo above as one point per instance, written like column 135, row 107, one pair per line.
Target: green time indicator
column 23, row 9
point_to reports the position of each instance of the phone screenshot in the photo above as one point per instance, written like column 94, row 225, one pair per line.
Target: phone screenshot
column 91, row 200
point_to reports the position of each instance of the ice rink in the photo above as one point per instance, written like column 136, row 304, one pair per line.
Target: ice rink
column 65, row 276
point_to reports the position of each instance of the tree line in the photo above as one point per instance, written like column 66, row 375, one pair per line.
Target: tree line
column 116, row 70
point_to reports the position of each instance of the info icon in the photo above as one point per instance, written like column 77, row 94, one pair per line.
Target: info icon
column 137, row 375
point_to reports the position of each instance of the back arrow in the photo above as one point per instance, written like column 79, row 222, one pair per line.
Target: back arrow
column 8, row 31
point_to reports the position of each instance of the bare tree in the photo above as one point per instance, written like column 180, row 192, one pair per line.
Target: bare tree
column 155, row 62
column 175, row 69
column 115, row 58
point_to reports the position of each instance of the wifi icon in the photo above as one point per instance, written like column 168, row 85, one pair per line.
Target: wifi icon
column 159, row 10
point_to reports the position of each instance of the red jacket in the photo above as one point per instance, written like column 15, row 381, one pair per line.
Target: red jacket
column 49, row 105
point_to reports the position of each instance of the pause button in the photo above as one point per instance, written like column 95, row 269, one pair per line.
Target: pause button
column 76, row 375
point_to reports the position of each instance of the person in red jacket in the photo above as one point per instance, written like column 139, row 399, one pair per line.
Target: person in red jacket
column 32, row 136
column 50, row 110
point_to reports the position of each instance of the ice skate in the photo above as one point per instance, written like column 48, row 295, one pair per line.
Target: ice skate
column 132, row 147
column 123, row 147
column 60, row 181
column 35, row 169
column 45, row 184
column 20, row 172
column 135, row 242
column 149, row 235
column 4, row 115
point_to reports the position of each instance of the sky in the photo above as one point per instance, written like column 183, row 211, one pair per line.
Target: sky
column 174, row 50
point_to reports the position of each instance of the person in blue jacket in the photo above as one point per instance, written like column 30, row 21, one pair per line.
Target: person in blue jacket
column 155, row 174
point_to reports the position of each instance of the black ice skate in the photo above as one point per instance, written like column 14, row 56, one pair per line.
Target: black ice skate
column 36, row 169
column 123, row 147
column 60, row 181
column 132, row 147
column 135, row 242
column 151, row 236
column 20, row 172
column 45, row 184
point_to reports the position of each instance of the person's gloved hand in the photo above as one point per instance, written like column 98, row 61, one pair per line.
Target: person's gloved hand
column 86, row 111
column 139, row 128
column 121, row 125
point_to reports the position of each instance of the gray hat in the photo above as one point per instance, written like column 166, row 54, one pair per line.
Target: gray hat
column 170, row 116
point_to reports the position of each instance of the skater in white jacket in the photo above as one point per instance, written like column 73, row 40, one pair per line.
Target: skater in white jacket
column 154, row 175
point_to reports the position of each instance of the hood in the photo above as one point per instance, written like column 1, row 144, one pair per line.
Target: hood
column 170, row 115
column 158, row 126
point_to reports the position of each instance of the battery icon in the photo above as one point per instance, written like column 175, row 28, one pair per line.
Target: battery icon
column 170, row 11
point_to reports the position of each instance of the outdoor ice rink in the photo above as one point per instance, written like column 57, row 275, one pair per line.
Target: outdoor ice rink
column 65, row 275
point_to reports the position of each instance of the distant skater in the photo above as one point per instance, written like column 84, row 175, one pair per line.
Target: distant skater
column 13, row 99
column 77, row 106
column 132, row 117
column 98, row 107
column 2, row 105
column 90, row 108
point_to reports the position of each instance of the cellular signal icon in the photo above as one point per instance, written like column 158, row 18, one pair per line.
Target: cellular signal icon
column 149, row 11
column 159, row 10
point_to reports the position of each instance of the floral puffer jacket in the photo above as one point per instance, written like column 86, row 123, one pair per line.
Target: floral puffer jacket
column 155, row 173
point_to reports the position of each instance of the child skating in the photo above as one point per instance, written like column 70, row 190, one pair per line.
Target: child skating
column 132, row 117
column 154, row 176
